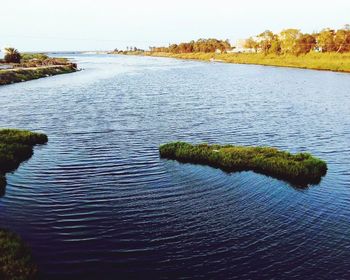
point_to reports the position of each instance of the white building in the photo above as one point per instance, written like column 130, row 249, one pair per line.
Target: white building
column 239, row 47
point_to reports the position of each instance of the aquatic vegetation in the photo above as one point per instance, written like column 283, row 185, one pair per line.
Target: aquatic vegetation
column 12, row 136
column 16, row 146
column 301, row 168
column 15, row 258
column 17, row 75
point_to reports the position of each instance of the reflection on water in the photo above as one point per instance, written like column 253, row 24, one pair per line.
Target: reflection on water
column 97, row 200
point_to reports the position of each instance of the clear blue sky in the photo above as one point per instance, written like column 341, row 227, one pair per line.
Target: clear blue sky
column 107, row 24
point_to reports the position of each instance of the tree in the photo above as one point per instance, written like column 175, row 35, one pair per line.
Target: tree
column 250, row 43
column 304, row 44
column 288, row 38
column 227, row 46
column 325, row 40
column 342, row 40
column 275, row 47
column 12, row 55
column 266, row 40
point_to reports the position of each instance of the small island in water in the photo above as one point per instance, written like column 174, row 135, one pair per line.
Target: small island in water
column 301, row 169
column 16, row 146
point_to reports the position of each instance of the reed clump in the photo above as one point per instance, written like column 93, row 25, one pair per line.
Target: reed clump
column 16, row 146
column 15, row 258
column 300, row 168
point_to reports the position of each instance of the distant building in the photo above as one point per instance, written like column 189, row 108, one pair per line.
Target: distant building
column 239, row 47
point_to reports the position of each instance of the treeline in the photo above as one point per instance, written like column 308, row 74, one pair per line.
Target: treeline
column 128, row 49
column 293, row 41
column 289, row 41
column 201, row 45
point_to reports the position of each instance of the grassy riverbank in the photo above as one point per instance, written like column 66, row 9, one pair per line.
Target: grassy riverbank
column 301, row 168
column 339, row 62
column 16, row 146
column 10, row 76
column 15, row 258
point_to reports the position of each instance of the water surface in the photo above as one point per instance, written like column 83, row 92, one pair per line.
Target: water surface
column 96, row 202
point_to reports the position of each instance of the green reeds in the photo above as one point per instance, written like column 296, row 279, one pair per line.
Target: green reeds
column 16, row 146
column 301, row 168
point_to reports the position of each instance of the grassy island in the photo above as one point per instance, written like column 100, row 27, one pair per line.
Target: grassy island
column 301, row 168
column 16, row 146
column 15, row 258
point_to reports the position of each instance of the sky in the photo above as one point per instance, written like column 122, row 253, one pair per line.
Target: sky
column 67, row 25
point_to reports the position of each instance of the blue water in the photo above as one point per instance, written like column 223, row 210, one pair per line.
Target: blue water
column 96, row 202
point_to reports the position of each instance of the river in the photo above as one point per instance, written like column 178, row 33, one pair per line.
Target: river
column 97, row 202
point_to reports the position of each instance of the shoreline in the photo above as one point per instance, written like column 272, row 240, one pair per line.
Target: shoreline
column 16, row 146
column 22, row 74
column 333, row 62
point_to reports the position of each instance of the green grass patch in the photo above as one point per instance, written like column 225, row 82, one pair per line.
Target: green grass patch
column 301, row 169
column 15, row 258
column 30, row 56
column 16, row 146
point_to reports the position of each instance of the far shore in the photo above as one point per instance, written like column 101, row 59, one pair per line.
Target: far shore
column 337, row 62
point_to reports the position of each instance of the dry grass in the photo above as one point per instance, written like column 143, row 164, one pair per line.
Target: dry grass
column 318, row 61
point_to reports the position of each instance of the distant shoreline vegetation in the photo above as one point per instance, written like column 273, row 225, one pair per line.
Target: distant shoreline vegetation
column 336, row 62
column 326, row 50
column 16, row 146
column 300, row 169
column 16, row 67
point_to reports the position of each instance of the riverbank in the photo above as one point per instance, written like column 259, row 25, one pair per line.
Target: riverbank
column 15, row 258
column 22, row 74
column 16, row 146
column 338, row 62
column 301, row 169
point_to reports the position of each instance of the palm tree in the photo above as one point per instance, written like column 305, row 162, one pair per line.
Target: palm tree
column 12, row 55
